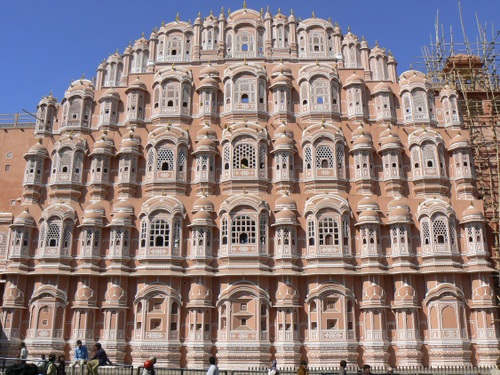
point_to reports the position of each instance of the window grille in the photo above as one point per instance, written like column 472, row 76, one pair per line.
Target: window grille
column 244, row 156
column 165, row 160
column 243, row 230
column 159, row 233
column 324, row 157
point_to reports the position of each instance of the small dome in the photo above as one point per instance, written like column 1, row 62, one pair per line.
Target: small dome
column 286, row 295
column 137, row 84
column 115, row 296
column 459, row 141
column 206, row 131
column 25, row 219
column 85, row 294
column 472, row 214
column 110, row 94
column 12, row 296
column 281, row 79
column 281, row 69
column 81, row 84
column 359, row 131
column 209, row 81
column 285, row 201
column 283, row 130
column 369, row 216
column 368, row 202
column 285, row 214
column 363, row 140
column 373, row 295
column 209, row 71
column 206, row 142
column 123, row 205
column 199, row 295
column 103, row 144
column 398, row 202
column 38, row 149
column 483, row 294
column 203, row 203
column 406, row 295
column 202, row 215
column 283, row 141
column 353, row 79
column 382, row 87
column 129, row 142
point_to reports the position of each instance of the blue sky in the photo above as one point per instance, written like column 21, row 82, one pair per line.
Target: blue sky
column 46, row 44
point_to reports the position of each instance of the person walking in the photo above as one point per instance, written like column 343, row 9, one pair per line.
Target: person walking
column 51, row 368
column 80, row 357
column 100, row 358
column 303, row 370
column 212, row 369
column 343, row 368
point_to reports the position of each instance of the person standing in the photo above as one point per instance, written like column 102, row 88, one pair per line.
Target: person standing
column 212, row 369
column 80, row 357
column 61, row 366
column 343, row 366
column 23, row 352
column 303, row 370
column 273, row 368
column 100, row 358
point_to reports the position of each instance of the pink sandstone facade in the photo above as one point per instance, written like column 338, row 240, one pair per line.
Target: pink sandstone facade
column 294, row 198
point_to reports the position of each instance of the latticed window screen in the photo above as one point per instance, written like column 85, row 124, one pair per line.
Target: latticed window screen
column 440, row 231
column 398, row 234
column 165, row 161
column 308, row 157
column 177, row 232
column 419, row 102
column 429, row 152
column 244, row 156
column 243, row 230
column 65, row 161
column 262, row 156
column 159, row 233
column 324, row 157
column 328, row 231
column 224, row 231
column 426, row 233
column 181, row 160
column 340, row 156
column 311, row 233
column 227, row 157
column 345, row 230
column 53, row 234
column 320, row 92
column 245, row 91
column 263, row 230
column 68, row 228
column 144, row 232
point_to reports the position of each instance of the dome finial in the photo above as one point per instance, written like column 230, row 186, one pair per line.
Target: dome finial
column 313, row 14
column 348, row 29
column 222, row 10
column 142, row 34
column 177, row 17
column 245, row 4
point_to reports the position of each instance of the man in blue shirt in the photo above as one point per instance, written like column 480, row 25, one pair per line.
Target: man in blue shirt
column 81, row 356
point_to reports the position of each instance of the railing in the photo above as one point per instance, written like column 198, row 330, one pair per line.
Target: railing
column 123, row 369
column 17, row 121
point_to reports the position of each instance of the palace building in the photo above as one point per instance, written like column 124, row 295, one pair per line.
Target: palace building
column 250, row 186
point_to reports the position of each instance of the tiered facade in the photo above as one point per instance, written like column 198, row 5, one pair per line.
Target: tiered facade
column 250, row 186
